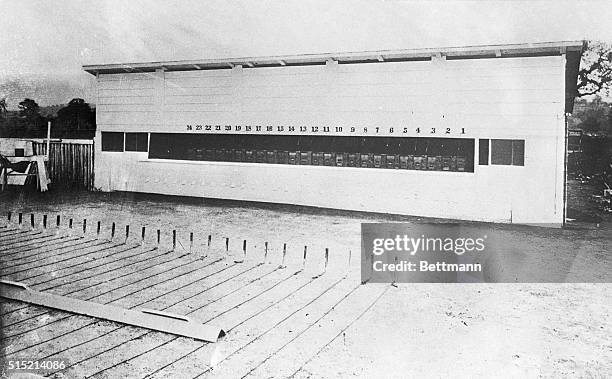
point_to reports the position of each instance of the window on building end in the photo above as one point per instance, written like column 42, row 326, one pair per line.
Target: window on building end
column 137, row 142
column 518, row 152
column 483, row 152
column 112, row 141
column 508, row 152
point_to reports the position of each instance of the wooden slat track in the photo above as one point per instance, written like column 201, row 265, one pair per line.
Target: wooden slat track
column 273, row 307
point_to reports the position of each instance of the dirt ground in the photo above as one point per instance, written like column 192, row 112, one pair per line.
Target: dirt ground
column 284, row 324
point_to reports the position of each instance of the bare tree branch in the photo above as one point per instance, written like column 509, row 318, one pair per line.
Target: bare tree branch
column 596, row 74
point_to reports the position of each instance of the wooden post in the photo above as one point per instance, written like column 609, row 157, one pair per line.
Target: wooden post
column 113, row 231
column 127, row 232
column 394, row 273
column 304, row 259
column 20, row 218
column 208, row 244
column 265, row 251
column 173, row 239
column 57, row 221
column 190, row 242
column 326, row 257
column 84, row 225
column 10, row 214
column 158, row 236
column 98, row 228
column 284, row 254
column 3, row 175
column 44, row 221
column 32, row 219
column 142, row 236
column 244, row 243
column 70, row 224
column 48, row 140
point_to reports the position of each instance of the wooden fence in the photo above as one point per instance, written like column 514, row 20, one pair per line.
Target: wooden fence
column 71, row 163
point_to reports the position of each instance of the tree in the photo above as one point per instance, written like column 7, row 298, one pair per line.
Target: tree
column 596, row 74
column 592, row 116
column 607, row 123
column 5, row 128
column 591, row 124
column 77, row 119
column 2, row 108
column 31, row 123
column 28, row 108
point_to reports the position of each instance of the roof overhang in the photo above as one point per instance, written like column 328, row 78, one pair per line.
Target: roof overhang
column 572, row 49
column 572, row 66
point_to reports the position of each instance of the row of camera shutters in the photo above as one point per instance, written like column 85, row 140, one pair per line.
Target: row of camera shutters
column 408, row 162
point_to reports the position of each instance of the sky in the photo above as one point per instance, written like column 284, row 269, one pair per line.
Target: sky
column 43, row 44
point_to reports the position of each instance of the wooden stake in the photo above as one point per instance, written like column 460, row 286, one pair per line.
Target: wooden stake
column 324, row 268
column 32, row 219
column 174, row 239
column 284, row 254
column 45, row 221
column 70, row 224
column 244, row 253
column 158, row 236
column 10, row 214
column 265, row 251
column 394, row 273
column 208, row 245
column 57, row 221
column 142, row 235
column 98, row 228
column 20, row 218
column 84, row 225
column 113, row 231
column 127, row 232
column 190, row 242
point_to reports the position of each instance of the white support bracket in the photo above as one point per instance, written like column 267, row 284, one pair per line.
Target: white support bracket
column 149, row 319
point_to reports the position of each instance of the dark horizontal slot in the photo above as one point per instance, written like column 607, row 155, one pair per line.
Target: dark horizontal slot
column 441, row 154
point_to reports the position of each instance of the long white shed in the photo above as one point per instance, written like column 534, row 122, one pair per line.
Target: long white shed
column 475, row 133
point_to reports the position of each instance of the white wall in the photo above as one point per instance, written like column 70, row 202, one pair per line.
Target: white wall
column 515, row 98
column 8, row 146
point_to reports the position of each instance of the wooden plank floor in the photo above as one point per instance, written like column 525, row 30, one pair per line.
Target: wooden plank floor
column 279, row 312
